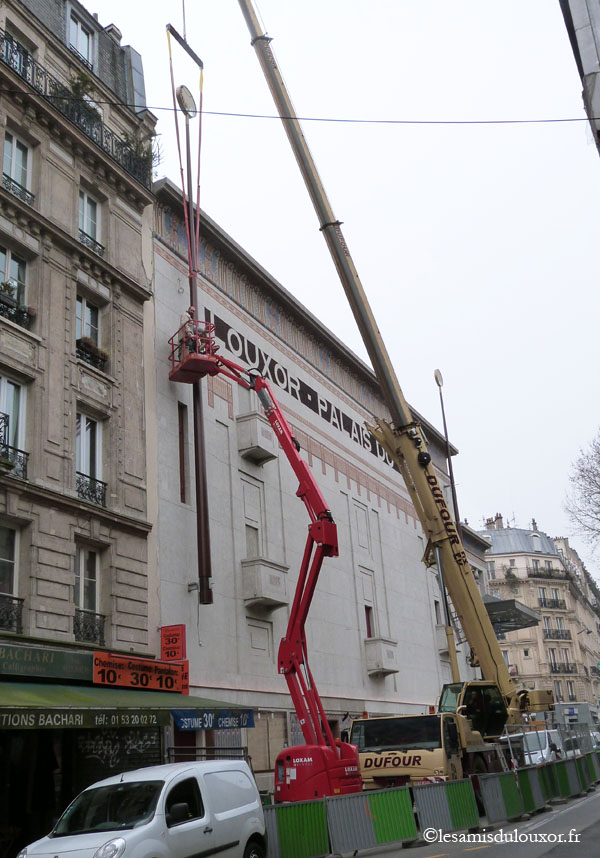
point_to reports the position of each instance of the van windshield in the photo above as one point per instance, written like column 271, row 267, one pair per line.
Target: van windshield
column 398, row 733
column 110, row 808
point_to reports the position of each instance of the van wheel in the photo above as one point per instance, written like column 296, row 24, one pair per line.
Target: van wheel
column 254, row 850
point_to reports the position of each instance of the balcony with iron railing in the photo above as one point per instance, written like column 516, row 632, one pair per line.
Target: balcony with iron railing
column 546, row 573
column 75, row 109
column 90, row 242
column 555, row 604
column 81, row 58
column 87, row 351
column 88, row 627
column 90, row 489
column 563, row 667
column 17, row 189
column 13, row 462
column 557, row 634
column 11, row 614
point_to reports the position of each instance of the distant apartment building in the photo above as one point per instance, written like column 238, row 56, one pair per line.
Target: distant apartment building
column 76, row 568
column 582, row 19
column 562, row 651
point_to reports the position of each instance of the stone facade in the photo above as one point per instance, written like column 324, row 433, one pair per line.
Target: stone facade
column 371, row 631
column 75, row 242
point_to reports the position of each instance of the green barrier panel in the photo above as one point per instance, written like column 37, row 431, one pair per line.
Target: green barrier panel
column 392, row 816
column 526, row 791
column 511, row 796
column 462, row 804
column 548, row 781
column 582, row 773
column 589, row 764
column 562, row 779
column 302, row 829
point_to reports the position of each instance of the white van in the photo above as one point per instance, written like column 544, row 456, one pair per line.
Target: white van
column 170, row 811
column 542, row 746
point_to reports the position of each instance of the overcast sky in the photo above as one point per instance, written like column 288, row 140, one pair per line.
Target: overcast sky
column 476, row 243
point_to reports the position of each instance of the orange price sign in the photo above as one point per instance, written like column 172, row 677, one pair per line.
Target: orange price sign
column 138, row 673
column 172, row 642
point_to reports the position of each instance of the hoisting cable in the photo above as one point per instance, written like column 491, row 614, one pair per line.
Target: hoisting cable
column 197, row 230
column 178, row 138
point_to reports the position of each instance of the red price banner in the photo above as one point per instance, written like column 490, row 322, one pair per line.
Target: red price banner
column 139, row 673
column 172, row 643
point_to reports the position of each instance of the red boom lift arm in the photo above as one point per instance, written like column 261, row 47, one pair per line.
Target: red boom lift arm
column 324, row 766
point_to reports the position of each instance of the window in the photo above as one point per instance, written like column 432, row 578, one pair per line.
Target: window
column 548, row 623
column 548, row 565
column 15, row 165
column 369, row 620
column 86, row 322
column 535, row 564
column 8, row 540
column 552, row 657
column 571, row 689
column 542, row 592
column 512, row 561
column 558, row 695
column 438, row 613
column 80, row 40
column 565, row 656
column 491, row 567
column 560, row 623
column 13, row 272
column 505, row 656
column 183, row 434
column 86, row 580
column 88, row 216
column 11, row 406
column 87, row 446
column 526, row 653
column 186, row 794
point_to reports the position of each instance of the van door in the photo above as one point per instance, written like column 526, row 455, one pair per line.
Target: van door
column 189, row 827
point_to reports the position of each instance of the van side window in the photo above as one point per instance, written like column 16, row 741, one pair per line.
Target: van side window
column 184, row 802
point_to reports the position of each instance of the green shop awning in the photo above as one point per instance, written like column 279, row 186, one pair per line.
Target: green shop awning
column 34, row 706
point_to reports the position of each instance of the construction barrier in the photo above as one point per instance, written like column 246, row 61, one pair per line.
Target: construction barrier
column 595, row 764
column 530, row 786
column 549, row 781
column 501, row 797
column 567, row 778
column 449, row 806
column 297, row 830
column 582, row 773
column 370, row 819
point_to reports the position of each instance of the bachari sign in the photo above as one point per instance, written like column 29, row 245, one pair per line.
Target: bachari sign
column 17, row 661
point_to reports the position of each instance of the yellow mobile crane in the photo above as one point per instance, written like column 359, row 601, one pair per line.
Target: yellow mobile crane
column 459, row 738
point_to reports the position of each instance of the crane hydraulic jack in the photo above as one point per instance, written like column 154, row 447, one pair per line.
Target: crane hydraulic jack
column 324, row 765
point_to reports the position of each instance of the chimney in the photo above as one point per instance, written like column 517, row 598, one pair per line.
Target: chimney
column 489, row 524
column 114, row 33
column 498, row 523
column 534, row 525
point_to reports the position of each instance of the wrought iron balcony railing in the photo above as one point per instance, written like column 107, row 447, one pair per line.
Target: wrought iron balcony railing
column 90, row 354
column 559, row 604
column 90, row 489
column 11, row 614
column 81, row 58
column 557, row 634
column 17, row 189
column 90, row 242
column 563, row 667
column 545, row 573
column 88, row 627
column 19, row 315
column 13, row 462
column 76, row 110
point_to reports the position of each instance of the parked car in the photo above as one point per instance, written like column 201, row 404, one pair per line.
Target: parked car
column 170, row 811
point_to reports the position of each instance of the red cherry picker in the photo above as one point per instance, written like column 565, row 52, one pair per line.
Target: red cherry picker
column 324, row 765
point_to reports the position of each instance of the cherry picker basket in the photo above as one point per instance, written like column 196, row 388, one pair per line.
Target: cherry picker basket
column 193, row 352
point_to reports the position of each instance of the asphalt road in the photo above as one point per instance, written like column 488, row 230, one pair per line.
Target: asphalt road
column 576, row 823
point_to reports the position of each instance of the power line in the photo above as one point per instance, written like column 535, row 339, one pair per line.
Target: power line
column 136, row 108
